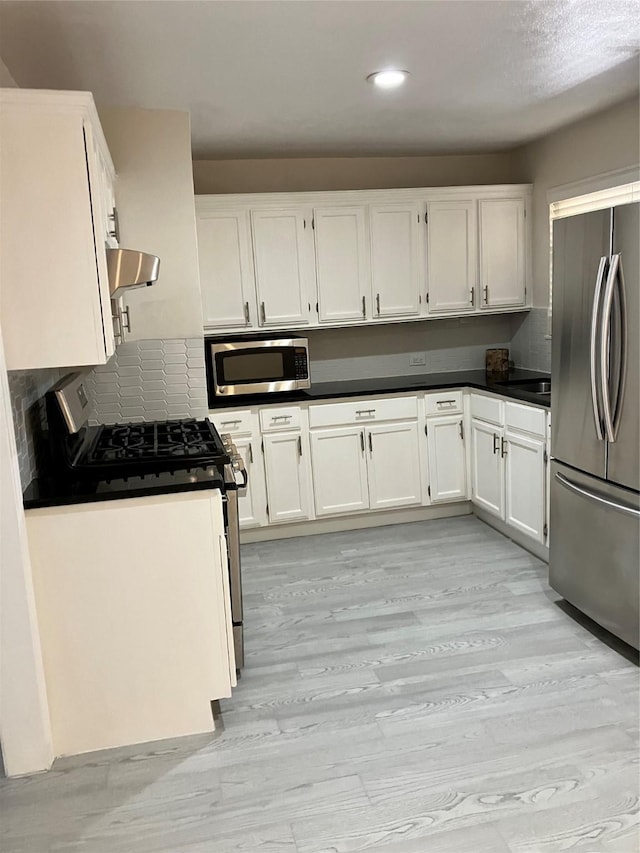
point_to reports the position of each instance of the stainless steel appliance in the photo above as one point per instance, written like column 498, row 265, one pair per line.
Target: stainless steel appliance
column 595, row 487
column 235, row 480
column 153, row 449
column 129, row 269
column 259, row 364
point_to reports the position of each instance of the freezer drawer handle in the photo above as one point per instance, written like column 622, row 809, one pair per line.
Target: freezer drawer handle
column 568, row 484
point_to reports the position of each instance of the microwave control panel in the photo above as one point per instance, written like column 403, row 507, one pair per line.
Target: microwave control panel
column 302, row 367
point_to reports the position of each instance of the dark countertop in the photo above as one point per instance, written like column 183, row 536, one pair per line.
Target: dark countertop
column 50, row 491
column 396, row 384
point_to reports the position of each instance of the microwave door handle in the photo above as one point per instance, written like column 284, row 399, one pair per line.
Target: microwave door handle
column 605, row 348
column 593, row 348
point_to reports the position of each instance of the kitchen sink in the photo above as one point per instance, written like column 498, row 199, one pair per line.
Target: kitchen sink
column 532, row 386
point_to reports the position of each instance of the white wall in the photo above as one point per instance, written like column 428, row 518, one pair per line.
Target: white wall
column 603, row 142
column 151, row 150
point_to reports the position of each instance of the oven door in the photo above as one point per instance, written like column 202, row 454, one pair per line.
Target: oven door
column 259, row 366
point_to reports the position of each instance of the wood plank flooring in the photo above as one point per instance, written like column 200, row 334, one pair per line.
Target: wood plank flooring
column 408, row 689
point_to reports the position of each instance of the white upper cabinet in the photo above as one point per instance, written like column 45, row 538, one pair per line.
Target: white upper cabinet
column 55, row 169
column 501, row 223
column 396, row 254
column 281, row 248
column 451, row 256
column 226, row 268
column 342, row 263
column 348, row 258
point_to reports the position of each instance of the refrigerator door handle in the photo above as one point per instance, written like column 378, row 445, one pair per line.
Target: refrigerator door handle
column 594, row 349
column 574, row 487
column 605, row 350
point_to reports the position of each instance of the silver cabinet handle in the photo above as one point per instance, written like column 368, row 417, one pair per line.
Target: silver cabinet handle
column 300, row 446
column 263, row 313
column 228, row 423
column 251, row 453
column 113, row 216
column 496, row 440
column 503, row 448
column 125, row 313
column 472, row 294
column 277, row 418
column 117, row 321
column 364, row 306
column 378, row 303
column 593, row 348
column 247, row 315
column 362, row 442
column 446, row 402
column 365, row 411
column 370, row 444
column 594, row 496
column 486, row 294
column 461, row 429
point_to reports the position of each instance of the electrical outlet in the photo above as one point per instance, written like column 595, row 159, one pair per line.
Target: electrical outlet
column 418, row 359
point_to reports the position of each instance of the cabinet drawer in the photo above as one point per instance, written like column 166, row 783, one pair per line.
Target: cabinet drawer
column 527, row 418
column 273, row 419
column 444, row 403
column 363, row 411
column 233, row 422
column 487, row 409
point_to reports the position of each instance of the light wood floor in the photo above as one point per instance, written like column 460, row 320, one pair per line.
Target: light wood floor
column 411, row 689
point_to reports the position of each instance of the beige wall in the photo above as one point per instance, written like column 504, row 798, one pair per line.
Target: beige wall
column 601, row 143
column 354, row 173
column 151, row 150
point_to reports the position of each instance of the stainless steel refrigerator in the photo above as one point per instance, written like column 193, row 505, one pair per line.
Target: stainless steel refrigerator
column 594, row 547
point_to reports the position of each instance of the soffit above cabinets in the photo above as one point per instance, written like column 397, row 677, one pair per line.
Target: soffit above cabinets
column 289, row 79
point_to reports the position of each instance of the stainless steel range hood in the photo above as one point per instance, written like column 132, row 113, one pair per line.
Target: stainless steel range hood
column 128, row 269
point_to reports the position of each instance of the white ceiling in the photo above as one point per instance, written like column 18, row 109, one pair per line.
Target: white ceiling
column 288, row 78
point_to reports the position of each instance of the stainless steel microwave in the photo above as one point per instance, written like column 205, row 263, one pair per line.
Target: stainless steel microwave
column 259, row 365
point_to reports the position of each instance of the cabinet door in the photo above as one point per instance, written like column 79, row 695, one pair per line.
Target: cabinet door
column 451, row 256
column 252, row 501
column 341, row 263
column 281, row 259
column 395, row 259
column 525, row 484
column 446, row 454
column 487, row 467
column 339, row 465
column 393, row 466
column 502, row 252
column 288, row 476
column 226, row 269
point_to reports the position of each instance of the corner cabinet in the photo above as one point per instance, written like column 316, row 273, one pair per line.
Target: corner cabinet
column 56, row 220
column 351, row 258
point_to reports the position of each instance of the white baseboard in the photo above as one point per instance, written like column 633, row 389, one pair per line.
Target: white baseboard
column 536, row 548
column 353, row 522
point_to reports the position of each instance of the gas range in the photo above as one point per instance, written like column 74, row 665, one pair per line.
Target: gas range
column 112, row 451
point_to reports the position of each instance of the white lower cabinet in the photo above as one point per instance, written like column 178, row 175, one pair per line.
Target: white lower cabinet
column 288, row 475
column 487, row 466
column 252, row 501
column 358, row 468
column 137, row 639
column 339, row 469
column 393, row 468
column 525, row 483
column 447, row 459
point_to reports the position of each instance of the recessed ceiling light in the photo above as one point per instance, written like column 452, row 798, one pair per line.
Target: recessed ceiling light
column 390, row 78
